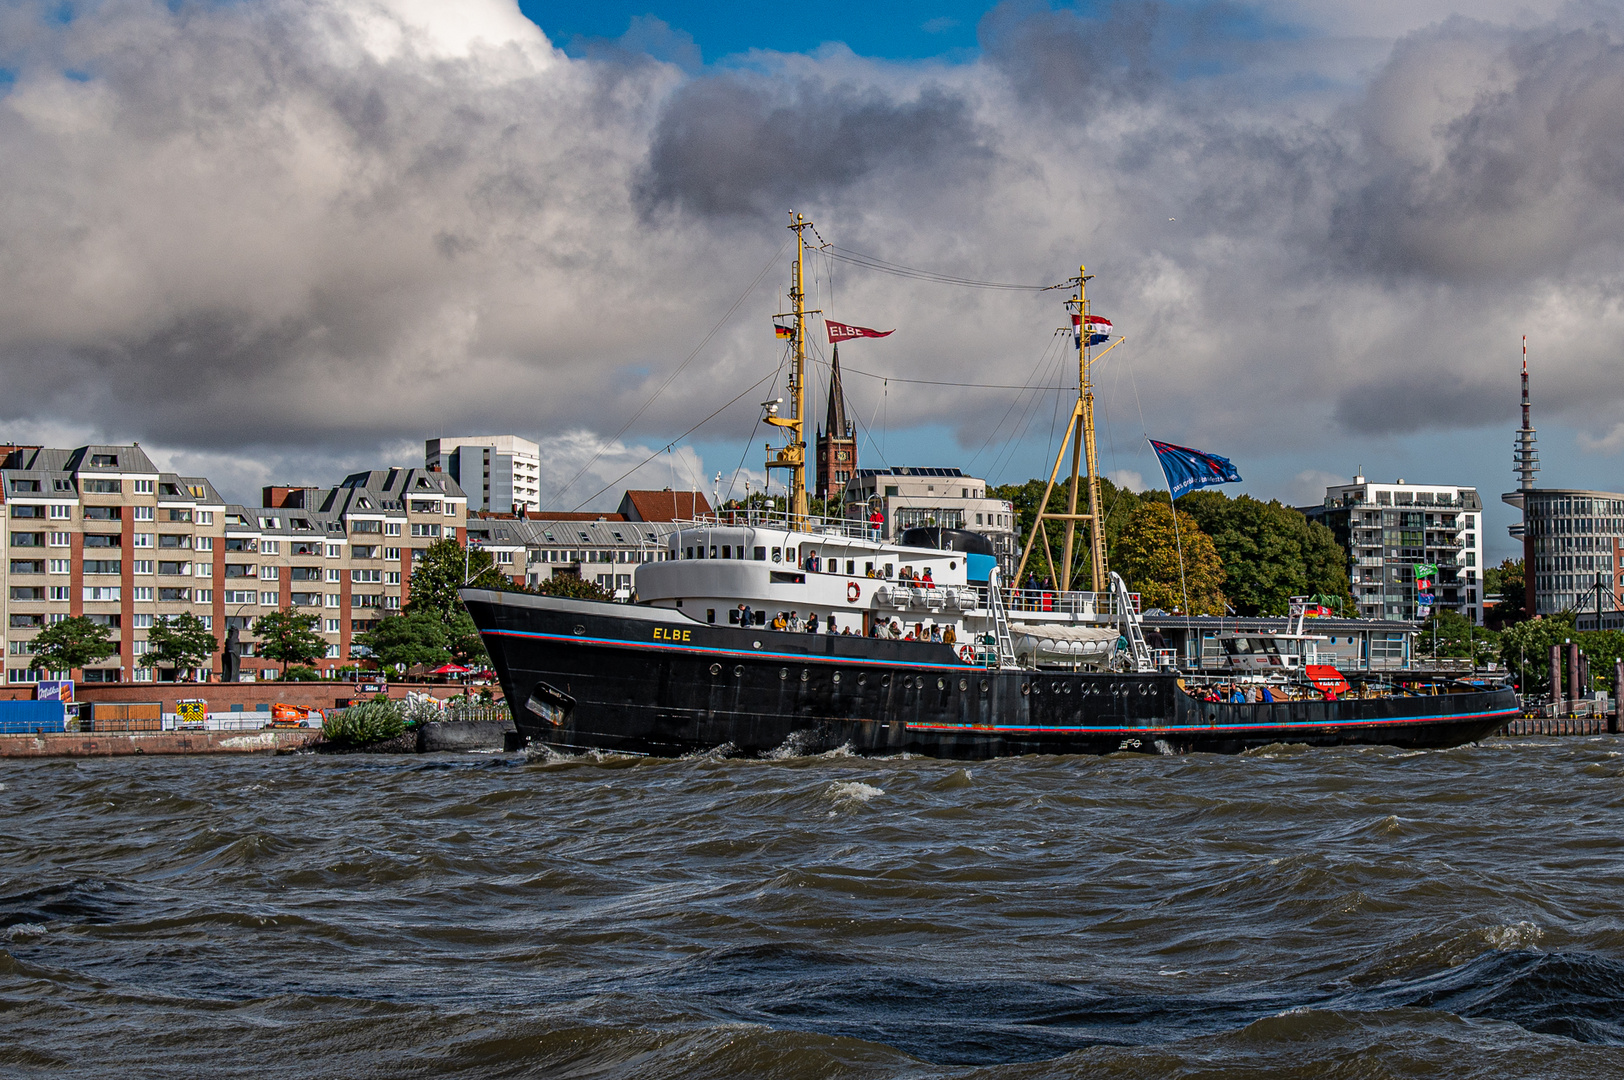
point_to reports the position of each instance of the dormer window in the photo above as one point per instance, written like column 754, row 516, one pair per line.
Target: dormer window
column 104, row 461
column 365, row 503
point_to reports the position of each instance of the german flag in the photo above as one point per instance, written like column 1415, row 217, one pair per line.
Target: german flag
column 785, row 333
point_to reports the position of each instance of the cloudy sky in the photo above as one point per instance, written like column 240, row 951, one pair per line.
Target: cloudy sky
column 277, row 239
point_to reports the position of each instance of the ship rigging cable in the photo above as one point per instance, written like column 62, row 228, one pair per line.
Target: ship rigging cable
column 870, row 262
column 607, row 443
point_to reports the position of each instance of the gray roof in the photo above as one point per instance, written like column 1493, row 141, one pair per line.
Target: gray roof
column 543, row 533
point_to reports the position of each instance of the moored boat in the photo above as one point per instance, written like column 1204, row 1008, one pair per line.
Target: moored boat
column 919, row 647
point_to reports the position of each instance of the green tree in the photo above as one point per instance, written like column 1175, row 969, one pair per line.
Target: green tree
column 409, row 639
column 181, row 642
column 1525, row 648
column 290, row 637
column 437, row 576
column 1270, row 552
column 1507, row 580
column 1147, row 557
column 573, row 587
column 71, row 643
column 1449, row 634
column 444, row 567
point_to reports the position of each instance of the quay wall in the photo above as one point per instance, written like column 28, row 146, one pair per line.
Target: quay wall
column 222, row 696
column 99, row 744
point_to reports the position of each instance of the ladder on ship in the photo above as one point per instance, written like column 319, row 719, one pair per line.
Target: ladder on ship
column 1000, row 621
column 1131, row 629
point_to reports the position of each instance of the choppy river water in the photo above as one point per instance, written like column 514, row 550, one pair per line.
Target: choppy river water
column 1291, row 913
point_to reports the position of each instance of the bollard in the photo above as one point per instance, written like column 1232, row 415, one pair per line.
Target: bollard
column 1556, row 679
column 1573, row 673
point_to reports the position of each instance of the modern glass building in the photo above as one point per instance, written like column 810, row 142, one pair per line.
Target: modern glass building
column 1573, row 541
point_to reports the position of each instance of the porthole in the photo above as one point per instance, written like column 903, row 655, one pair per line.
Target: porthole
column 941, row 684
column 862, row 678
column 738, row 671
column 756, row 644
column 1037, row 688
column 885, row 680
column 985, row 686
column 805, row 674
column 964, row 684
column 716, row 669
column 1025, row 689
column 783, row 673
column 1068, row 688
column 835, row 678
column 579, row 629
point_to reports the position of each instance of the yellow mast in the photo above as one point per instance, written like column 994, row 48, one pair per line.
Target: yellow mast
column 792, row 455
column 1084, row 465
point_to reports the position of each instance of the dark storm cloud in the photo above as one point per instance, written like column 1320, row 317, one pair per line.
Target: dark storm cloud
column 349, row 224
column 1404, row 404
column 1069, row 60
column 1489, row 153
column 743, row 144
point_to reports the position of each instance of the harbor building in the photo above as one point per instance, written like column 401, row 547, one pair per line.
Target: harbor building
column 1573, row 539
column 908, row 497
column 1389, row 529
column 500, row 473
column 836, row 443
column 101, row 531
column 604, row 551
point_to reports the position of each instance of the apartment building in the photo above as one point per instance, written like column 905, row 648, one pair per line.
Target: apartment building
column 1389, row 529
column 499, row 473
column 100, row 531
column 910, row 497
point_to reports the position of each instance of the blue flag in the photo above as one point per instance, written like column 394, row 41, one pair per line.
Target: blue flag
column 1188, row 469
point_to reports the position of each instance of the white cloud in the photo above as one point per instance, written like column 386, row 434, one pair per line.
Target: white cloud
column 1308, row 487
column 1126, row 478
column 296, row 236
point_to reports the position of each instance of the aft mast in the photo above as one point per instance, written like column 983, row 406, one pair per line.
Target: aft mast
column 1084, row 463
column 792, row 455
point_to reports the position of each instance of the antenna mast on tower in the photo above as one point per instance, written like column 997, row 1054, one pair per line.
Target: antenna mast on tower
column 1526, row 458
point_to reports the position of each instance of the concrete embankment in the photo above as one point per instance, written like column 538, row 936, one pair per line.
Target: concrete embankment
column 112, row 744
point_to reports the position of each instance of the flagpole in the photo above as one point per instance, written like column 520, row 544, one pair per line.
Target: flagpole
column 1172, row 504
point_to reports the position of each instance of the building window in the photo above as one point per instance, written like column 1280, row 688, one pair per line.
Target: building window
column 61, row 592
column 419, row 529
column 61, row 512
column 391, row 577
column 143, row 513
column 240, row 596
column 105, row 487
column 205, row 517
column 335, row 551
column 141, row 592
column 141, row 540
column 141, row 566
column 267, row 599
column 391, row 528
column 270, row 573
column 270, row 547
column 205, row 596
column 101, row 593
column 61, row 566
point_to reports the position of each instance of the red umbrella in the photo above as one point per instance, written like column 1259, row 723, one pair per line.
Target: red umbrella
column 449, row 669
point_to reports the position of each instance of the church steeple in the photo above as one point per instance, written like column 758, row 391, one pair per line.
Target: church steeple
column 837, row 442
column 835, row 422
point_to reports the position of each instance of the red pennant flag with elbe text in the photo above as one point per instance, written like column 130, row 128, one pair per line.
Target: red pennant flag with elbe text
column 839, row 331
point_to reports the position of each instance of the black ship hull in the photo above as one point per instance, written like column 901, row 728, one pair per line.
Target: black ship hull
column 581, row 675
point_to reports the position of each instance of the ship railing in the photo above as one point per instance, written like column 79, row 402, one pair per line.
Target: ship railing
column 1057, row 602
column 779, row 519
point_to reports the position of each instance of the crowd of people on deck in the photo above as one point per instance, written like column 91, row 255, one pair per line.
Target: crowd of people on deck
column 1257, row 694
column 791, row 622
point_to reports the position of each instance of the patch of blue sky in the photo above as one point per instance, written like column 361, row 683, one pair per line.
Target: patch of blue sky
column 1193, row 38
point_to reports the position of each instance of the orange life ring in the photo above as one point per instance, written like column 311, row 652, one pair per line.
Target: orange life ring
column 853, row 591
column 967, row 653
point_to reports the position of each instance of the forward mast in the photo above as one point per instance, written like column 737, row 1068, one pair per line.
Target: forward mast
column 792, row 455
